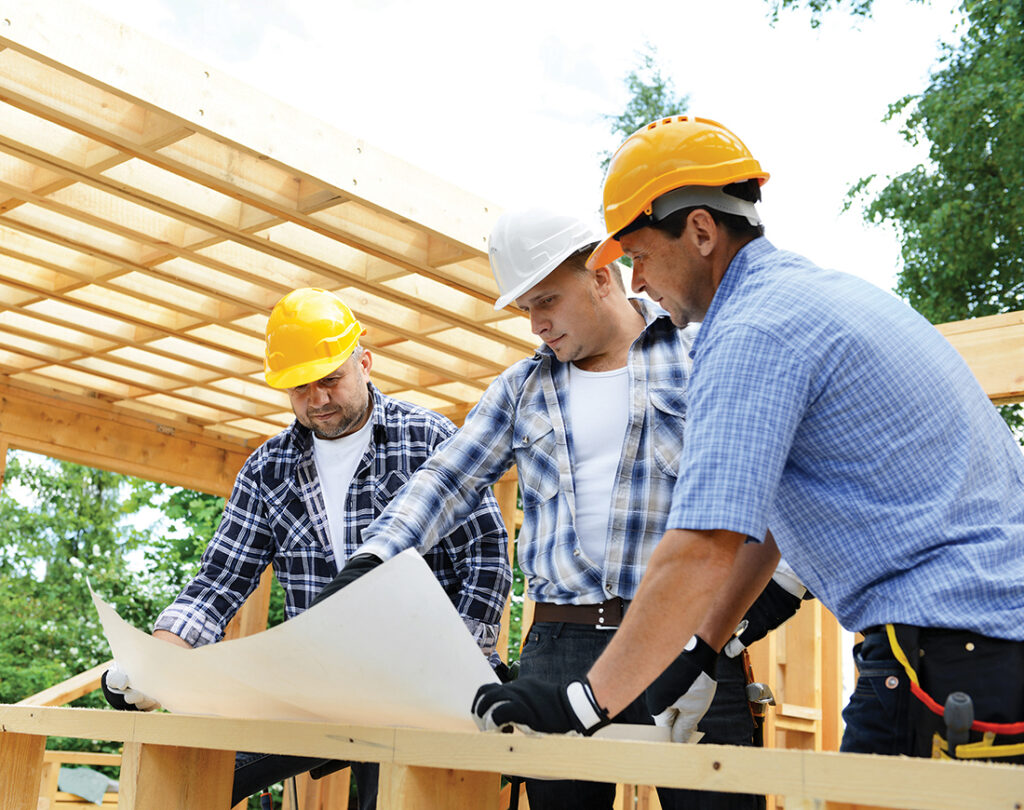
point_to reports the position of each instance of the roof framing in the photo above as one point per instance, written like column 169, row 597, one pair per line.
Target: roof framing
column 152, row 210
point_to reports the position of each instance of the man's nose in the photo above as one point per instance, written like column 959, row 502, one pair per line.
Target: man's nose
column 538, row 323
column 637, row 280
column 318, row 395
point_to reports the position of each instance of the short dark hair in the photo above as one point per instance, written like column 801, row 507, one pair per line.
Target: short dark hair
column 578, row 262
column 749, row 190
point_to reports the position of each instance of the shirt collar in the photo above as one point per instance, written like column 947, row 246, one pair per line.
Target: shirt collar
column 735, row 274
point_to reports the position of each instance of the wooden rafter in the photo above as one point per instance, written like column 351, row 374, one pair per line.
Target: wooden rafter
column 144, row 239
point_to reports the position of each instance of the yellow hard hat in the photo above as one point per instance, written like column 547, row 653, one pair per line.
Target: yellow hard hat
column 667, row 154
column 309, row 334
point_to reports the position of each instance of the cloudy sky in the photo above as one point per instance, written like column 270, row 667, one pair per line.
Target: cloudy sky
column 509, row 100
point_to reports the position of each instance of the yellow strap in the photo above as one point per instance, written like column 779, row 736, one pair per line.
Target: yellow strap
column 897, row 650
column 987, row 750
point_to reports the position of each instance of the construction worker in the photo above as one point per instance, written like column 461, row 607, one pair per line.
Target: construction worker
column 302, row 499
column 594, row 423
column 830, row 411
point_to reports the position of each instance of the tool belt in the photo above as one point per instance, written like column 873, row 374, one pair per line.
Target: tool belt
column 606, row 615
column 964, row 666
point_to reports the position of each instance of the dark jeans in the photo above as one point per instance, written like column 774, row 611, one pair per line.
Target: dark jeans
column 883, row 717
column 555, row 651
column 876, row 716
column 254, row 772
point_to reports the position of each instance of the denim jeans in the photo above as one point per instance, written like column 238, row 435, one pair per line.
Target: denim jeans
column 876, row 717
column 556, row 651
column 883, row 717
column 254, row 772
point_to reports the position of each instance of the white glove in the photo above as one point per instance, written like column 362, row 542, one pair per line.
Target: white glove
column 682, row 694
column 116, row 680
column 683, row 716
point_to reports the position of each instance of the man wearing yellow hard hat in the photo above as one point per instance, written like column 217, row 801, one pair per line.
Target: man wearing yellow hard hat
column 303, row 498
column 830, row 411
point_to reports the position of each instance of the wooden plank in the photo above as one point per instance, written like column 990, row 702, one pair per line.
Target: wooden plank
column 994, row 349
column 165, row 777
column 111, row 56
column 93, row 435
column 897, row 782
column 506, row 492
column 416, row 788
column 21, row 769
column 74, row 687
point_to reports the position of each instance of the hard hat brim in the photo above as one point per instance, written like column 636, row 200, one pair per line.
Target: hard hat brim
column 305, row 373
column 605, row 253
column 524, row 286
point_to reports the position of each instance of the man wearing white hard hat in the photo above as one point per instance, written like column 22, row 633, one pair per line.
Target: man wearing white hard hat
column 594, row 423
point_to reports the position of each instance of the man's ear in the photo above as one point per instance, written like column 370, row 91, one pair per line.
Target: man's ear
column 603, row 280
column 703, row 231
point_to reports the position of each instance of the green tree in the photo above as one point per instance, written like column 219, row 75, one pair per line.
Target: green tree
column 651, row 95
column 960, row 217
column 856, row 8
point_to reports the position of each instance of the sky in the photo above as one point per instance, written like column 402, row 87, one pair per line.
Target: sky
column 509, row 101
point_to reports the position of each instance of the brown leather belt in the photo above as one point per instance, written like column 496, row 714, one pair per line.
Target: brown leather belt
column 604, row 616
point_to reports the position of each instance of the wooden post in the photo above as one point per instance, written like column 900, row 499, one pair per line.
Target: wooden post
column 506, row 492
column 166, row 777
column 21, row 770
column 409, row 787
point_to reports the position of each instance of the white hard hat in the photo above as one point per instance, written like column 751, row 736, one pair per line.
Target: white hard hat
column 525, row 246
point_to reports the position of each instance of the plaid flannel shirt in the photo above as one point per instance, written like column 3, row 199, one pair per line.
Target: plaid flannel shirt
column 521, row 419
column 828, row 410
column 276, row 516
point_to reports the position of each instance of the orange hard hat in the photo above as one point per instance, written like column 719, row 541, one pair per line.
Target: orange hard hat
column 667, row 154
column 310, row 333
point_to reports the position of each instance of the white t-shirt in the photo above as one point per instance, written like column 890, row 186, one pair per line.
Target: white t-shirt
column 599, row 414
column 336, row 462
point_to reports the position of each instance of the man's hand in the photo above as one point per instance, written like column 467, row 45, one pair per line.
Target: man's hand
column 120, row 694
column 357, row 565
column 682, row 694
column 533, row 706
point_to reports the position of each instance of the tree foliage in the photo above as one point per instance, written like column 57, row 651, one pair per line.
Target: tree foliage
column 651, row 95
column 856, row 8
column 61, row 523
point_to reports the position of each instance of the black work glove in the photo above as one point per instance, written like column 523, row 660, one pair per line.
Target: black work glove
column 773, row 607
column 121, row 695
column 534, row 705
column 354, row 568
column 680, row 697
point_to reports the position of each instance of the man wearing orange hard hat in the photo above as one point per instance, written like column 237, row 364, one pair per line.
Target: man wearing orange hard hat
column 830, row 411
column 302, row 500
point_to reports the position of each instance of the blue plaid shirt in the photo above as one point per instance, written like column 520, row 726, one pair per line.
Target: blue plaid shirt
column 276, row 515
column 521, row 420
column 830, row 411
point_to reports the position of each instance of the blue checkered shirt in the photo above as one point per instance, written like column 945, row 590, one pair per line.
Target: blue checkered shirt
column 521, row 420
column 276, row 516
column 828, row 410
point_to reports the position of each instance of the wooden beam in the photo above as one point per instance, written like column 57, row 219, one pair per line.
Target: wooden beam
column 63, row 693
column 65, row 428
column 897, row 782
column 994, row 349
column 166, row 777
column 21, row 769
column 413, row 788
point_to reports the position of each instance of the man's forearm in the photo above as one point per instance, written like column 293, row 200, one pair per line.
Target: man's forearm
column 685, row 574
column 751, row 571
column 171, row 638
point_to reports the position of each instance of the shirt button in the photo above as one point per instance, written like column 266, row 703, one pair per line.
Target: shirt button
column 576, row 553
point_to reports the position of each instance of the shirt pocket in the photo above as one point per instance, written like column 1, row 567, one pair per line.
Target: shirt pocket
column 536, row 451
column 668, row 423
